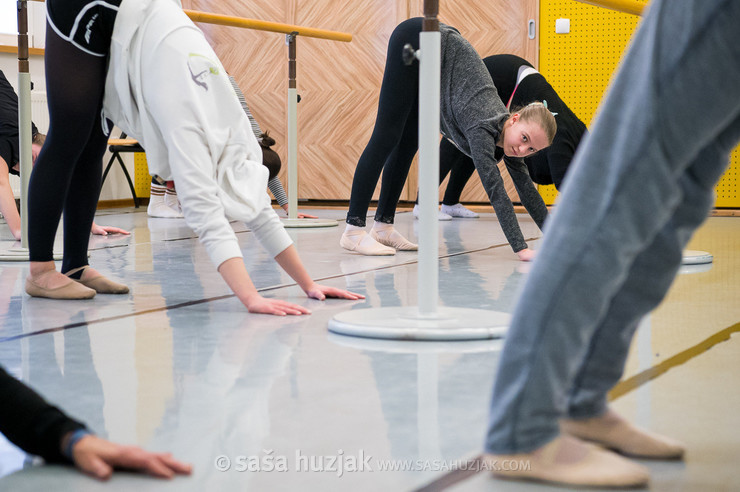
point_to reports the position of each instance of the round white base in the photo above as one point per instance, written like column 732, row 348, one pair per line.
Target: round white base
column 418, row 346
column 309, row 223
column 405, row 323
column 692, row 257
column 21, row 254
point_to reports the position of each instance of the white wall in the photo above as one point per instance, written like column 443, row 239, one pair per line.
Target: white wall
column 115, row 187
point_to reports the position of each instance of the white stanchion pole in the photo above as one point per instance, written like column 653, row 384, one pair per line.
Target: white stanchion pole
column 24, row 132
column 26, row 156
column 429, row 70
column 292, row 123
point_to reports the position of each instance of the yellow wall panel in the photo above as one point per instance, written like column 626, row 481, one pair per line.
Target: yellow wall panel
column 580, row 64
column 142, row 179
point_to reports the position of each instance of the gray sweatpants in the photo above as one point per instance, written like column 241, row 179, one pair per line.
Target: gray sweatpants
column 638, row 188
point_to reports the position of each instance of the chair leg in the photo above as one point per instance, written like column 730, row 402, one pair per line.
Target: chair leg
column 128, row 178
column 107, row 168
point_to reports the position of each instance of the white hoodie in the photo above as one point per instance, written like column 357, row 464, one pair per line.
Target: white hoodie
column 166, row 88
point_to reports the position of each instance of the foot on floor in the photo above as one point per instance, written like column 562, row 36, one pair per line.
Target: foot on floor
column 53, row 285
column 360, row 241
column 160, row 204
column 386, row 234
column 93, row 279
column 458, row 210
column 440, row 215
column 614, row 432
column 570, row 462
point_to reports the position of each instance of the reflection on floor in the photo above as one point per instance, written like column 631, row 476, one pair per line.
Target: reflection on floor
column 180, row 365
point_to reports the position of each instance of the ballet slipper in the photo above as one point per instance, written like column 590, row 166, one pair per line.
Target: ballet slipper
column 391, row 237
column 570, row 462
column 70, row 290
column 614, row 432
column 97, row 281
column 361, row 242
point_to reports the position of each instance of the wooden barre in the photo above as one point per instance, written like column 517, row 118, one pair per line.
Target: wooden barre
column 627, row 6
column 229, row 20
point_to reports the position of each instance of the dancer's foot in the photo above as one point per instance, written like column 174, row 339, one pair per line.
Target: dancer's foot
column 159, row 206
column 614, row 432
column 93, row 279
column 53, row 285
column 570, row 462
column 440, row 215
column 458, row 210
column 171, row 200
column 360, row 241
column 388, row 235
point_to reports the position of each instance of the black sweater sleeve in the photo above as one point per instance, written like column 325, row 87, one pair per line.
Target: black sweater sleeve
column 30, row 423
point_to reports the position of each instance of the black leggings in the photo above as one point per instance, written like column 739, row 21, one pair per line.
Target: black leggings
column 395, row 138
column 461, row 167
column 67, row 173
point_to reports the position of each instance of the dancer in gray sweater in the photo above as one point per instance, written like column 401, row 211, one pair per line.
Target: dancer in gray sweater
column 472, row 117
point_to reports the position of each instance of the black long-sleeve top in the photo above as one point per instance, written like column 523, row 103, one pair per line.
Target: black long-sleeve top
column 31, row 423
column 9, row 124
column 549, row 165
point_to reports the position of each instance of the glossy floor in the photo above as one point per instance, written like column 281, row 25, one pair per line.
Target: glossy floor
column 180, row 365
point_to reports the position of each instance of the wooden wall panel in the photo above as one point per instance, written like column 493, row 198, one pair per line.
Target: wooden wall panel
column 339, row 83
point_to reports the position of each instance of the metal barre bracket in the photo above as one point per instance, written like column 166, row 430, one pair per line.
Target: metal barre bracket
column 409, row 54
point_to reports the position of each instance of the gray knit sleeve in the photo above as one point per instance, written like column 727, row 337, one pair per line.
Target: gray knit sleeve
column 242, row 100
column 483, row 145
column 277, row 190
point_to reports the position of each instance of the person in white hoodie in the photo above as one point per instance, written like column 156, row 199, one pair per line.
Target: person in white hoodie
column 145, row 66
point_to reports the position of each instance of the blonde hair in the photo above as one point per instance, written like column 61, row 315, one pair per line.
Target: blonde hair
column 538, row 113
column 39, row 139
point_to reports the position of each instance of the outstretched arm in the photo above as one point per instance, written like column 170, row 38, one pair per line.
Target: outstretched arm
column 301, row 215
column 482, row 148
column 7, row 202
column 290, row 262
column 99, row 230
column 98, row 457
column 235, row 274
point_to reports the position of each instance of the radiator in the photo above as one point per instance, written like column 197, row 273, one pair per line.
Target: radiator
column 39, row 111
column 40, row 116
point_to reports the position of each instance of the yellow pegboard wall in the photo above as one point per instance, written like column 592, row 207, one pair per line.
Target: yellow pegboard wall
column 142, row 179
column 728, row 188
column 580, row 64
